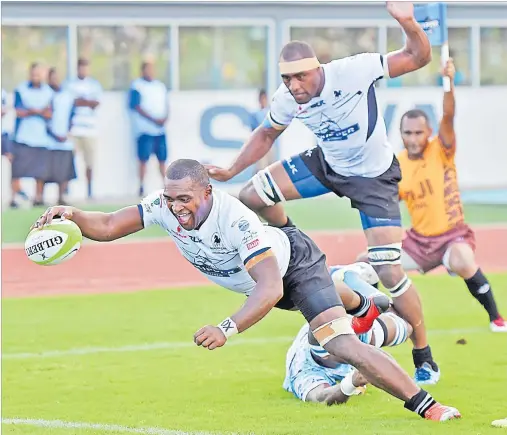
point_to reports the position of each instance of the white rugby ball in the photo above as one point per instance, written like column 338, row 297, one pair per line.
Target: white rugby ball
column 54, row 243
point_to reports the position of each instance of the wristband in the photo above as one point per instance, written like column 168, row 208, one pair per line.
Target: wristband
column 347, row 386
column 228, row 327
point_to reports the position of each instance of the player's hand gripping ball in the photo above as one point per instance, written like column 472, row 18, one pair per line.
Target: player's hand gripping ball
column 53, row 241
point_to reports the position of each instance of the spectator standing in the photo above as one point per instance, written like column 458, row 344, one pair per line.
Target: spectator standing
column 149, row 107
column 32, row 101
column 87, row 92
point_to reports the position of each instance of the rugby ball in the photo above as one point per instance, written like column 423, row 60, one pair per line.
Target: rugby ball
column 54, row 243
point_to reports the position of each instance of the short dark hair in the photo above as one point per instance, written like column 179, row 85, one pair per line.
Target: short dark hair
column 51, row 71
column 34, row 65
column 262, row 92
column 82, row 62
column 296, row 50
column 145, row 64
column 413, row 114
column 183, row 168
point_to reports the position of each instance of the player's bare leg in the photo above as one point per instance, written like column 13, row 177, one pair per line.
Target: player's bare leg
column 332, row 330
column 461, row 260
column 281, row 189
column 142, row 173
column 384, row 256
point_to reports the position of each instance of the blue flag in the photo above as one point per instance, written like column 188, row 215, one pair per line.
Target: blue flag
column 432, row 17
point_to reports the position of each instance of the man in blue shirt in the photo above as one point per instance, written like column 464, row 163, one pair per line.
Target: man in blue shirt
column 149, row 107
column 32, row 101
column 60, row 145
column 87, row 93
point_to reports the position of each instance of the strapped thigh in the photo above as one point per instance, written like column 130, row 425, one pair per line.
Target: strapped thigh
column 385, row 254
column 265, row 186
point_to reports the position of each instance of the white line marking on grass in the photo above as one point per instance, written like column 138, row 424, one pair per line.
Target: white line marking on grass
column 138, row 348
column 59, row 424
column 187, row 344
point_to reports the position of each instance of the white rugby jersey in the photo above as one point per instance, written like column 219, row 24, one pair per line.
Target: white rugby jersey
column 231, row 236
column 345, row 117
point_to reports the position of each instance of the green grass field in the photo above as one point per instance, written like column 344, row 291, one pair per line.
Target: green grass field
column 308, row 214
column 172, row 384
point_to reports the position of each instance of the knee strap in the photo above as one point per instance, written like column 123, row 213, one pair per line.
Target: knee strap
column 385, row 254
column 266, row 187
column 400, row 288
column 326, row 332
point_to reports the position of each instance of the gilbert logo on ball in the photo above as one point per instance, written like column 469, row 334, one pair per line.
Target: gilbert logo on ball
column 53, row 243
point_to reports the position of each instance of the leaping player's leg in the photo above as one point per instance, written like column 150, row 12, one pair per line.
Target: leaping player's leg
column 378, row 205
column 281, row 181
column 312, row 291
column 460, row 259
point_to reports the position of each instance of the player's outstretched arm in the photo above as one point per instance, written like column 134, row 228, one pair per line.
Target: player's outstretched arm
column 263, row 268
column 255, row 148
column 265, row 271
column 417, row 51
column 102, row 227
column 446, row 129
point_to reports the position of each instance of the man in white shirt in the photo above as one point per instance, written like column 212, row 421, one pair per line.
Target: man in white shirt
column 149, row 107
column 87, row 93
column 227, row 242
column 353, row 159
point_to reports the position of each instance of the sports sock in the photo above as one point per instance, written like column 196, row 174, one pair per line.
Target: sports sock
column 423, row 355
column 479, row 286
column 420, row 403
column 362, row 309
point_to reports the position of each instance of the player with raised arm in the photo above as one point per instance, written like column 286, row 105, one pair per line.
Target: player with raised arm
column 227, row 242
column 439, row 234
column 337, row 102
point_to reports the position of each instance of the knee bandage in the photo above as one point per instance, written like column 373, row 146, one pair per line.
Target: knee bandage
column 326, row 332
column 385, row 254
column 401, row 287
column 266, row 187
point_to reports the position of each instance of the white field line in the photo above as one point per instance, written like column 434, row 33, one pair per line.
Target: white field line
column 167, row 239
column 100, row 427
column 171, row 345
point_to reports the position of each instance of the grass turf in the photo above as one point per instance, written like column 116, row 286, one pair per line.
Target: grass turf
column 236, row 388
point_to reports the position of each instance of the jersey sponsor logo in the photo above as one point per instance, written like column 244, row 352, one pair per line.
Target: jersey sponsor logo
column 236, row 221
column 252, row 244
column 148, row 208
column 292, row 167
column 317, row 104
column 206, row 266
column 249, row 236
column 243, row 225
column 329, row 132
column 178, row 233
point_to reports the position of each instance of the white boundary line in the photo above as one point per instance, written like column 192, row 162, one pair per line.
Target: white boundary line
column 102, row 427
column 171, row 345
column 167, row 239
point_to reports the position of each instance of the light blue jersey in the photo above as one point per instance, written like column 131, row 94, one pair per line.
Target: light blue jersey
column 60, row 123
column 303, row 374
